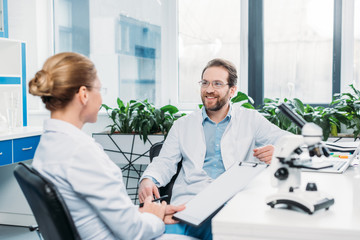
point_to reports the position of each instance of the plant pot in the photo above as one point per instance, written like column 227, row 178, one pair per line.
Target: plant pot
column 345, row 130
column 130, row 153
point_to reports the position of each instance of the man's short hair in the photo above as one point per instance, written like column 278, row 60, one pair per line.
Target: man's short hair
column 229, row 66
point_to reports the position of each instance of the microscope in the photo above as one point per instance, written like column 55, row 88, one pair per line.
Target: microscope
column 286, row 165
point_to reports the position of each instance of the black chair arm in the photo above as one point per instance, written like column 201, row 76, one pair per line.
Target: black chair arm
column 166, row 190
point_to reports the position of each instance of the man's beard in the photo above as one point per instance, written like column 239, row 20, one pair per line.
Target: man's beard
column 220, row 102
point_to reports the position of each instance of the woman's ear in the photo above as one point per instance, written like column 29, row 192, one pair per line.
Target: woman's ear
column 83, row 95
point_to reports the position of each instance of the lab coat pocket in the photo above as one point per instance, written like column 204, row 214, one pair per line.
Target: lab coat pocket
column 244, row 148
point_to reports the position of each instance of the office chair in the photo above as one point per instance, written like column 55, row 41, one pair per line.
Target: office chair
column 47, row 205
column 166, row 190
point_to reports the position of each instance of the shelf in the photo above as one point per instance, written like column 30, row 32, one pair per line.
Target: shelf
column 10, row 80
column 13, row 81
column 20, row 133
column 10, row 57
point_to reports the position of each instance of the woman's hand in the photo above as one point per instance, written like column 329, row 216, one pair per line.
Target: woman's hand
column 170, row 211
column 155, row 208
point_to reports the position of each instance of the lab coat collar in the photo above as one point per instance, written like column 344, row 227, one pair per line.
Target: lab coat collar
column 55, row 125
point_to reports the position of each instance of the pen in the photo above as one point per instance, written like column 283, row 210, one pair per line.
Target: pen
column 156, row 199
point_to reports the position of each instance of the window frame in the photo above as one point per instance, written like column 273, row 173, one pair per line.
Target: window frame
column 256, row 45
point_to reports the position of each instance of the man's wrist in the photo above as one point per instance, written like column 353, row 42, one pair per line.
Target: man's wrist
column 152, row 179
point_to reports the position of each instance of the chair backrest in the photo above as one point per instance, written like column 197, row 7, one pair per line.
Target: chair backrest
column 167, row 190
column 46, row 203
column 155, row 150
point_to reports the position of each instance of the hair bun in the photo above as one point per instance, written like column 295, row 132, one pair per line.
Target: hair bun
column 41, row 84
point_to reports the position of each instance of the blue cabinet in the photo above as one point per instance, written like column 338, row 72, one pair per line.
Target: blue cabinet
column 19, row 146
column 5, row 152
column 24, row 148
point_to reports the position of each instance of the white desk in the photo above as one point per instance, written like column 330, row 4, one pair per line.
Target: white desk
column 247, row 216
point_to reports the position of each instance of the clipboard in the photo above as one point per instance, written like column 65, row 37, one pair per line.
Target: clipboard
column 209, row 201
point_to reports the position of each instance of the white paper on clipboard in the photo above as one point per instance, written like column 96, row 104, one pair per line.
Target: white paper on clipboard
column 222, row 189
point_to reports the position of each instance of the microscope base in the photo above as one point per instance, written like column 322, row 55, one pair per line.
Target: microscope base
column 308, row 202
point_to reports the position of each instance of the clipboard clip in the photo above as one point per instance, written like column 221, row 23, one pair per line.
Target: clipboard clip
column 248, row 164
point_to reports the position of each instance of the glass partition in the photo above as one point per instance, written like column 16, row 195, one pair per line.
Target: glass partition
column 122, row 38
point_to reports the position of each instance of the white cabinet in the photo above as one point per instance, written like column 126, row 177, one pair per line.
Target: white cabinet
column 13, row 82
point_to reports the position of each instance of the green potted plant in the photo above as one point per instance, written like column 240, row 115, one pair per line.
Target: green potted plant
column 136, row 125
column 141, row 117
column 349, row 105
column 327, row 118
column 272, row 113
column 247, row 101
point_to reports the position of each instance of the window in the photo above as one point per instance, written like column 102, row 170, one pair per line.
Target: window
column 72, row 26
column 122, row 38
column 298, row 49
column 138, row 43
column 156, row 49
column 356, row 65
column 207, row 29
column 64, row 26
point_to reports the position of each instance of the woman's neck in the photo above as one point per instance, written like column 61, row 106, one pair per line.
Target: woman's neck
column 69, row 116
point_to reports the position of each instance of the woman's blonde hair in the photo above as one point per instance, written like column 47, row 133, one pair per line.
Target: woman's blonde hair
column 60, row 79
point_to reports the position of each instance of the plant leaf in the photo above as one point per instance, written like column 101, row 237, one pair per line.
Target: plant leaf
column 170, row 108
column 239, row 97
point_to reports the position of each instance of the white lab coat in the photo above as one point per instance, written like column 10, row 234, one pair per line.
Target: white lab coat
column 91, row 185
column 246, row 130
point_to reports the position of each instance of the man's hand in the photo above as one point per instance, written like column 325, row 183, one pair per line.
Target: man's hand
column 265, row 153
column 170, row 211
column 147, row 188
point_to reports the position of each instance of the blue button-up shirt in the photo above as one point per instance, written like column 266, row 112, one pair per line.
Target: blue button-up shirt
column 213, row 132
column 213, row 164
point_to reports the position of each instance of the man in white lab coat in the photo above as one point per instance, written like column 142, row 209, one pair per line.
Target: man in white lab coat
column 209, row 141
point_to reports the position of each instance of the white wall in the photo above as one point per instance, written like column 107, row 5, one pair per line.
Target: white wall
column 32, row 21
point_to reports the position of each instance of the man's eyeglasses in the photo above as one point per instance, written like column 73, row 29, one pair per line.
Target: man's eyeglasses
column 215, row 84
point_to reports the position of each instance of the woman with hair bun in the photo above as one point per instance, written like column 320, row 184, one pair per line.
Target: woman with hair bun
column 90, row 183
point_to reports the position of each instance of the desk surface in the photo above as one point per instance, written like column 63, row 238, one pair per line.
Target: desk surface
column 20, row 132
column 247, row 216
